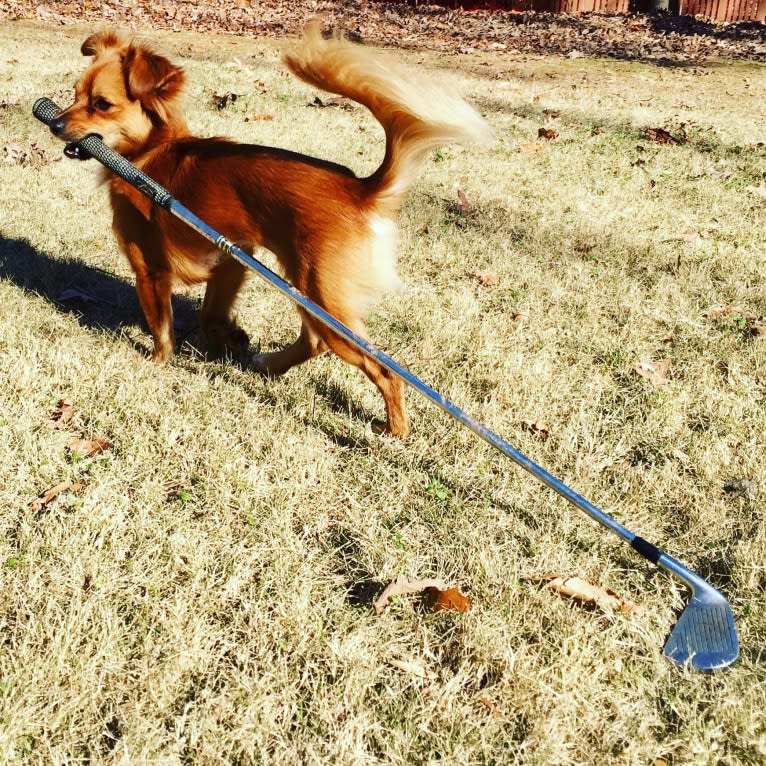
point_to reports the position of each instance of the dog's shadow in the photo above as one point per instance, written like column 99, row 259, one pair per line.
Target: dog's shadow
column 102, row 301
column 97, row 298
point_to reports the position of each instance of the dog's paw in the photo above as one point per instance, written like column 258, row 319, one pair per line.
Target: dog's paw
column 259, row 363
column 382, row 428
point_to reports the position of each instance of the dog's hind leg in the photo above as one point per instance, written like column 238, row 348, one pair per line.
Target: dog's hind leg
column 308, row 345
column 390, row 386
column 216, row 318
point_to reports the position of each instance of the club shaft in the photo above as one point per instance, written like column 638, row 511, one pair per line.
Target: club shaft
column 46, row 110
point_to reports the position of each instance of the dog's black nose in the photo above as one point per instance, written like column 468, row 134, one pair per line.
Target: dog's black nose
column 57, row 126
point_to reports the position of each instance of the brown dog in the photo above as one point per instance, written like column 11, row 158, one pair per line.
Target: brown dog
column 334, row 234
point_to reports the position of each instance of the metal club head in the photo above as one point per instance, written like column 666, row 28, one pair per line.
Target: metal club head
column 704, row 638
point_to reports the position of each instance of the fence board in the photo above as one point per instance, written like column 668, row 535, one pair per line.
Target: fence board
column 713, row 10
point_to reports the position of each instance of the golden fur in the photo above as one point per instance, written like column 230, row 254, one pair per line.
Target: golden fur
column 334, row 234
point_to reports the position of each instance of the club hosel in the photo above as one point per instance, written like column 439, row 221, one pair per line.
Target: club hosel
column 693, row 580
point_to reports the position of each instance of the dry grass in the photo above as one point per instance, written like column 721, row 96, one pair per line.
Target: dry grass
column 205, row 597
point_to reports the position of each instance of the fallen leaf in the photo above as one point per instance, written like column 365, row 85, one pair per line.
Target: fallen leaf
column 655, row 372
column 598, row 130
column 581, row 590
column 486, row 278
column 552, row 113
column 691, row 237
column 62, row 416
column 491, row 706
column 413, row 668
column 14, row 153
column 341, row 101
column 715, row 312
column 464, row 206
column 402, row 586
column 451, row 599
column 547, row 133
column 222, row 101
column 19, row 153
column 539, row 428
column 521, row 317
column 52, row 493
column 662, row 136
column 77, row 294
column 531, row 148
column 88, row 447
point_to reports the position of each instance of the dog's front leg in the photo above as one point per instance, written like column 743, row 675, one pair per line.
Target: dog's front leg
column 154, row 291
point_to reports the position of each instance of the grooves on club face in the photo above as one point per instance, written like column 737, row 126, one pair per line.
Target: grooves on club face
column 704, row 637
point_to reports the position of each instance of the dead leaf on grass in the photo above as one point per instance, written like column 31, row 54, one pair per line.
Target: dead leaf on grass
column 450, row 599
column 717, row 311
column 414, row 668
column 486, row 278
column 341, row 101
column 662, row 136
column 438, row 595
column 554, row 114
column 655, row 372
column 222, row 101
column 20, row 153
column 491, row 706
column 547, row 133
column 52, row 493
column 582, row 591
column 463, row 205
column 78, row 294
column 521, row 317
column 690, row 237
column 62, row 416
column 88, row 447
column 403, row 586
column 538, row 428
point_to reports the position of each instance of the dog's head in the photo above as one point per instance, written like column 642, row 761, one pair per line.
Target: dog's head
column 125, row 95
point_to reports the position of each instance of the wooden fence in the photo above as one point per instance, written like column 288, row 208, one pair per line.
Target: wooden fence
column 712, row 10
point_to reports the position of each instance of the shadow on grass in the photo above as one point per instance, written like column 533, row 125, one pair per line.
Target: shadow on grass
column 105, row 302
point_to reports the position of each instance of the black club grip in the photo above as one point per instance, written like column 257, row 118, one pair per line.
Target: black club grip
column 46, row 111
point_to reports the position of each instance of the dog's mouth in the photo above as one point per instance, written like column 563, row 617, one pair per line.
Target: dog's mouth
column 76, row 152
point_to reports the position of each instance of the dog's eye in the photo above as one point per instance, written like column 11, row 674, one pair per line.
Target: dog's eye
column 101, row 105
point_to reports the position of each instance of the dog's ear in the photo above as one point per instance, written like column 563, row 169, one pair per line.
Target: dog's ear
column 152, row 79
column 99, row 42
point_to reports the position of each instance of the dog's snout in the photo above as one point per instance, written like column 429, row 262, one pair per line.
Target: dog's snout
column 57, row 126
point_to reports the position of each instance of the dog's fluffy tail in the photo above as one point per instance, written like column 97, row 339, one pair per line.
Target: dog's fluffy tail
column 416, row 115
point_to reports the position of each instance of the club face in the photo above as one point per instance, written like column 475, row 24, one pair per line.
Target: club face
column 704, row 637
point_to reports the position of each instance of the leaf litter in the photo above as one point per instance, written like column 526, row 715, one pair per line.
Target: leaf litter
column 582, row 591
column 438, row 595
column 56, row 491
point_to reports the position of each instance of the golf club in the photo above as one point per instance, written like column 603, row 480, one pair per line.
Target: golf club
column 704, row 638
